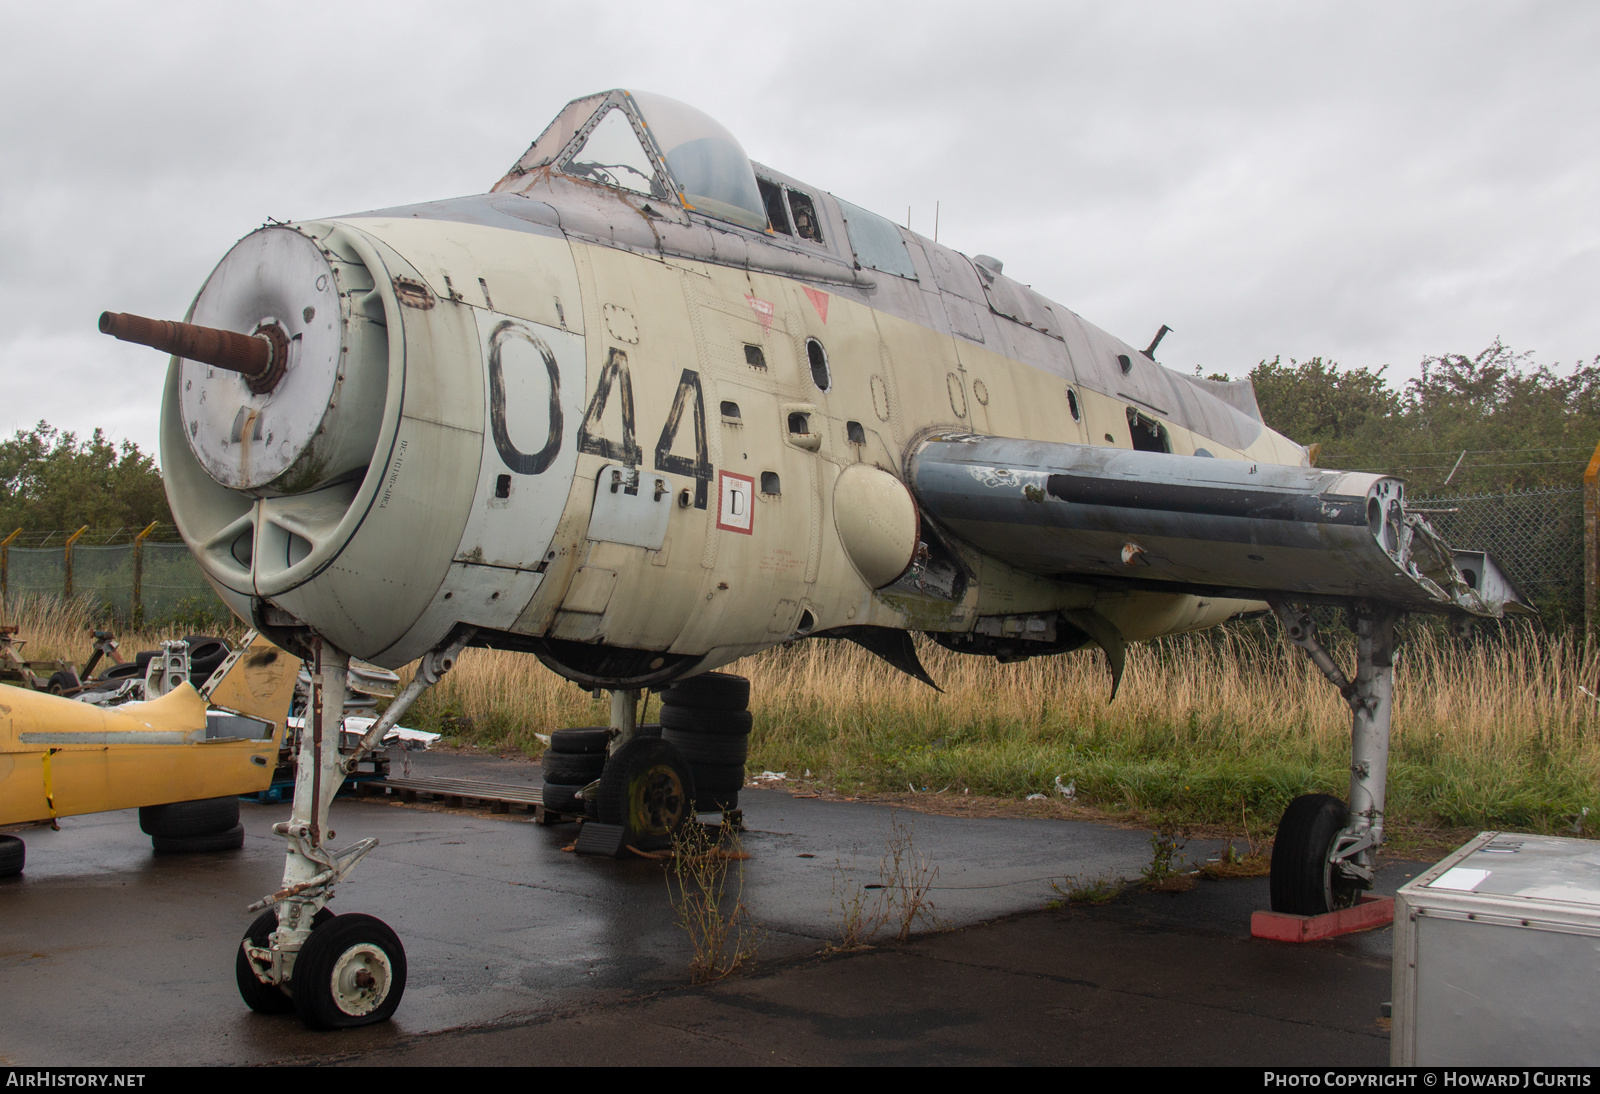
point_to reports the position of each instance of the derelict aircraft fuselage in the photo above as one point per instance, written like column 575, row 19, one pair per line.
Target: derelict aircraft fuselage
column 646, row 407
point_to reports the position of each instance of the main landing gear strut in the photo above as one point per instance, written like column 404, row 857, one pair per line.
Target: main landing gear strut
column 334, row 971
column 1326, row 852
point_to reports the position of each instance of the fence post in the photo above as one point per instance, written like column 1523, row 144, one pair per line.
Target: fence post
column 137, row 608
column 66, row 593
column 1591, row 542
column 5, row 565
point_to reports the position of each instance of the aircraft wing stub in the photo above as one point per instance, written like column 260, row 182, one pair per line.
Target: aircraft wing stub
column 1194, row 523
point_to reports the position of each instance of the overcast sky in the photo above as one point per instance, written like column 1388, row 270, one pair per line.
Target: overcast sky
column 1371, row 182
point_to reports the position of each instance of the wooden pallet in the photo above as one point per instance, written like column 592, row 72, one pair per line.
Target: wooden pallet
column 462, row 793
column 497, row 797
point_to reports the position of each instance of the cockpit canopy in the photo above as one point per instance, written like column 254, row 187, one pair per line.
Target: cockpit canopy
column 654, row 146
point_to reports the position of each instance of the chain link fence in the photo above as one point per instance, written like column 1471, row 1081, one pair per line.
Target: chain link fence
column 131, row 582
column 1535, row 535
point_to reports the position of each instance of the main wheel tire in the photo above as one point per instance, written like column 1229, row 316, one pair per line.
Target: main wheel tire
column 1303, row 881
column 230, row 840
column 648, row 788
column 259, row 997
column 180, row 820
column 709, row 691
column 581, row 740
column 13, row 856
column 121, row 672
column 350, row 972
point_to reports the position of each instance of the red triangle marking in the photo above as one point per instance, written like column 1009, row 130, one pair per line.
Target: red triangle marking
column 819, row 300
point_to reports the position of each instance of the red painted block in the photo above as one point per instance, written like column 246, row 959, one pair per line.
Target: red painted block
column 1372, row 911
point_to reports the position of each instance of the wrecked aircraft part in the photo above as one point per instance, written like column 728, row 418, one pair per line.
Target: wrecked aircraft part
column 1230, row 527
column 894, row 646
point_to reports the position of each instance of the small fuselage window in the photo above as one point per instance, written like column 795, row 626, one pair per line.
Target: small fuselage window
column 1148, row 435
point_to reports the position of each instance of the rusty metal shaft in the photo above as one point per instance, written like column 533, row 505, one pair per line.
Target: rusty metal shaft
column 260, row 357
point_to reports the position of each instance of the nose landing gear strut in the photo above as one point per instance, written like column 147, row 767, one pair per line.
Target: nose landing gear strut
column 335, row 971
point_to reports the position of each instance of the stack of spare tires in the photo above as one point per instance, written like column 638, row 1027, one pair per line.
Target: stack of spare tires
column 707, row 718
column 574, row 759
column 211, row 824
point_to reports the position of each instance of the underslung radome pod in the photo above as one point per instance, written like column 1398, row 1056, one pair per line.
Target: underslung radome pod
column 877, row 521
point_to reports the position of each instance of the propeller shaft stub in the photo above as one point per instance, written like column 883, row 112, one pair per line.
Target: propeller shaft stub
column 260, row 357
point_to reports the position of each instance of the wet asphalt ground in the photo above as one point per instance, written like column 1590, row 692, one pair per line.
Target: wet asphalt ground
column 522, row 953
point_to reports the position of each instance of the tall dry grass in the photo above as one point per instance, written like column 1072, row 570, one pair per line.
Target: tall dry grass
column 55, row 628
column 1490, row 732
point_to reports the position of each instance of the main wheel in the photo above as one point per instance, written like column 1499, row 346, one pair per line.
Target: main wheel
column 63, row 682
column 259, row 997
column 1303, row 880
column 13, row 856
column 647, row 788
column 350, row 972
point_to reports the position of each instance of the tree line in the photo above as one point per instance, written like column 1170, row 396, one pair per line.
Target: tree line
column 52, row 480
column 1490, row 423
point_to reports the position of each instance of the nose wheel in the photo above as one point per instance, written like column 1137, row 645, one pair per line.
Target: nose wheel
column 351, row 972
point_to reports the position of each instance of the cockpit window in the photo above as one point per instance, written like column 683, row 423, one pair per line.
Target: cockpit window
column 708, row 164
column 612, row 156
column 777, row 216
column 877, row 241
column 806, row 224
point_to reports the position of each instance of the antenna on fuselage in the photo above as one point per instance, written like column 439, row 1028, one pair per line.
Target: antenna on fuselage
column 1156, row 341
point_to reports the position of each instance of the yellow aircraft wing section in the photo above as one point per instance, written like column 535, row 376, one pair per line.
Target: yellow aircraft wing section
column 60, row 757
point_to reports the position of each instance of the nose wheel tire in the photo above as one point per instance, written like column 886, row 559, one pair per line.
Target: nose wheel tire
column 350, row 972
column 260, row 997
column 1304, row 881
